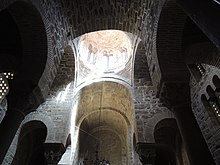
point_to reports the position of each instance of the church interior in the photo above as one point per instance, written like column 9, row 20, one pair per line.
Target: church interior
column 110, row 82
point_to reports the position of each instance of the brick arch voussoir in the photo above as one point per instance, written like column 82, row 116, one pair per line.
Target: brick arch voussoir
column 127, row 120
column 152, row 122
column 166, row 122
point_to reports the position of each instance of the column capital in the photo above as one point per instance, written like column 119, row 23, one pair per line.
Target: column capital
column 53, row 152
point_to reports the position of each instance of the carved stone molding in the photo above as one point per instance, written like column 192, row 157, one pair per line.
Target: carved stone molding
column 53, row 152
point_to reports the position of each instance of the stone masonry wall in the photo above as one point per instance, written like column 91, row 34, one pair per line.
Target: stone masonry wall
column 148, row 111
column 208, row 123
column 56, row 28
column 148, row 35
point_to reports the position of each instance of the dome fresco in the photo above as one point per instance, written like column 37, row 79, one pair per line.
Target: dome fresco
column 105, row 51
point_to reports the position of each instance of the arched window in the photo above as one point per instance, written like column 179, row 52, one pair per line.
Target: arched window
column 201, row 69
column 197, row 71
column 213, row 101
column 4, row 87
column 216, row 82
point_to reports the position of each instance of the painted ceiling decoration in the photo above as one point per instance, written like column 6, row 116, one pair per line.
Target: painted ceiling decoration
column 105, row 55
column 105, row 51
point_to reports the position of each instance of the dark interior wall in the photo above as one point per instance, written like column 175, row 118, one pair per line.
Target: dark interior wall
column 33, row 39
column 30, row 149
column 10, row 43
column 197, row 48
column 206, row 15
column 165, row 134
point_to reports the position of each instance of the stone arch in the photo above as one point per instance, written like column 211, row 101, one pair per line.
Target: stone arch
column 103, row 128
column 169, row 128
column 213, row 101
column 31, row 131
column 141, row 69
column 116, row 97
column 98, row 60
column 152, row 122
column 30, row 126
column 197, row 48
column 29, row 59
column 38, row 116
column 34, row 41
column 25, row 94
column 211, row 114
column 79, row 121
column 112, row 102
column 111, row 123
column 117, row 113
column 32, row 117
column 210, row 92
column 216, row 82
column 204, row 16
column 166, row 133
column 44, row 10
column 170, row 25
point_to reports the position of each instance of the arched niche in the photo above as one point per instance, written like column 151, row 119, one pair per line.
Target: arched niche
column 23, row 52
column 197, row 48
column 33, row 44
column 30, row 149
column 165, row 131
column 111, row 104
column 169, row 42
column 166, row 135
column 216, row 82
column 105, row 95
column 104, row 135
column 141, row 69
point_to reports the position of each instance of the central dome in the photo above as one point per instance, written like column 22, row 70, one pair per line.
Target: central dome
column 105, row 51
